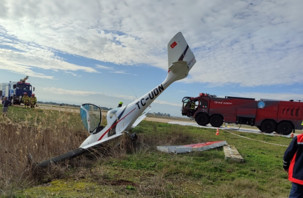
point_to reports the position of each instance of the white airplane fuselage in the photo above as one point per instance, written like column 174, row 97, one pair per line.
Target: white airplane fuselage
column 121, row 119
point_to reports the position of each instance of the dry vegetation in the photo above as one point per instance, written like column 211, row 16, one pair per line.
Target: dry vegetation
column 29, row 136
column 33, row 135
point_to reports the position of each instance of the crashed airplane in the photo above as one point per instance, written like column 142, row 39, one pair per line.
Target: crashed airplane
column 122, row 119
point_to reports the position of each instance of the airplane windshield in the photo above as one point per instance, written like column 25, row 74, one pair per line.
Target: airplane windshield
column 90, row 116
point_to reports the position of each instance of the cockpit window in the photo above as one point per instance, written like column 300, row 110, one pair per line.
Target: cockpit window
column 90, row 116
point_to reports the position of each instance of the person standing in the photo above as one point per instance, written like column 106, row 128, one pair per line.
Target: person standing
column 33, row 101
column 26, row 100
column 293, row 164
column 5, row 103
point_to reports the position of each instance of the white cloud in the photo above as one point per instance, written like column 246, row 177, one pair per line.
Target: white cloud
column 21, row 69
column 104, row 67
column 67, row 92
column 25, row 57
column 122, row 72
column 251, row 44
column 247, row 43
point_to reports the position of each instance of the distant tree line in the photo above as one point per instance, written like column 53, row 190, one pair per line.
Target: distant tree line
column 159, row 114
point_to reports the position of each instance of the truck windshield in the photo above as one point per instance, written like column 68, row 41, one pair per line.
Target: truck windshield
column 186, row 100
column 24, row 87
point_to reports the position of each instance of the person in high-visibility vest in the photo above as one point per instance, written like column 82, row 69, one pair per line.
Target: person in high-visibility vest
column 33, row 101
column 26, row 99
column 293, row 164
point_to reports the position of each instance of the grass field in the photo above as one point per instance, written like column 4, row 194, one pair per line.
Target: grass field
column 143, row 173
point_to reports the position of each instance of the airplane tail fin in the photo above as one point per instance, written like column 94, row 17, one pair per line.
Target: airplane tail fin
column 180, row 57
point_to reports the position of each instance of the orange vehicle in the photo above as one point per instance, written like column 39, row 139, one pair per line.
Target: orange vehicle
column 268, row 115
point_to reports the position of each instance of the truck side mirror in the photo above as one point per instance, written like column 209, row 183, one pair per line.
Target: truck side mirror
column 14, row 86
column 33, row 88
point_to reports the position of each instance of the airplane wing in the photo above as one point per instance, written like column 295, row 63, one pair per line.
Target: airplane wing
column 140, row 118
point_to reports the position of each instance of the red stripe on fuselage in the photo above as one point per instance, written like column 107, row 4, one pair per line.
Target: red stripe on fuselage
column 115, row 124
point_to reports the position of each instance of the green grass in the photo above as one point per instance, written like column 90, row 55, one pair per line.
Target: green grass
column 150, row 173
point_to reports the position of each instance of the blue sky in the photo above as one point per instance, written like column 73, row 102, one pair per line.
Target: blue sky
column 108, row 51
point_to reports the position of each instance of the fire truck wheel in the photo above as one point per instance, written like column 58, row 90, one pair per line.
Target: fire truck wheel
column 202, row 119
column 216, row 120
column 284, row 128
column 268, row 126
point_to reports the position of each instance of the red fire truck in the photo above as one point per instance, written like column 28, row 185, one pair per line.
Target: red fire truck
column 268, row 115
